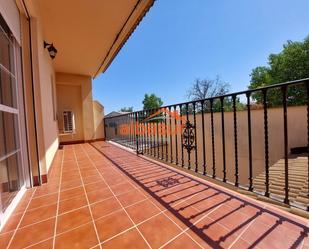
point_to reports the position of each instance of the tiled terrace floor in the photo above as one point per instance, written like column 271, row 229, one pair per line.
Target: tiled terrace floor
column 131, row 202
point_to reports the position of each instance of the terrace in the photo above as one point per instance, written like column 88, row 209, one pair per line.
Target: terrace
column 104, row 196
column 198, row 174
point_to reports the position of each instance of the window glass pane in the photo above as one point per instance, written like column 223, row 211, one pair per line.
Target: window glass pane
column 10, row 132
column 2, row 148
column 10, row 179
column 7, row 89
column 4, row 50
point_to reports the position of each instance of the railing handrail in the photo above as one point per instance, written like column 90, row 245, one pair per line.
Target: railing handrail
column 248, row 91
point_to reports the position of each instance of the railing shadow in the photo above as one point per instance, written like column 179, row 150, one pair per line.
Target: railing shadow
column 171, row 205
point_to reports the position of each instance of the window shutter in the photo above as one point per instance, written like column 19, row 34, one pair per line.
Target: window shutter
column 68, row 122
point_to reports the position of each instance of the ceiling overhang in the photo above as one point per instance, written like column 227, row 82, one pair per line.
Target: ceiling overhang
column 89, row 34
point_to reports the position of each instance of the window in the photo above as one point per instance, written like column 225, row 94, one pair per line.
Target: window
column 11, row 174
column 68, row 122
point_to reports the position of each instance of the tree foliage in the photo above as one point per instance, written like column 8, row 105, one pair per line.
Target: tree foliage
column 292, row 63
column 126, row 109
column 151, row 101
column 206, row 88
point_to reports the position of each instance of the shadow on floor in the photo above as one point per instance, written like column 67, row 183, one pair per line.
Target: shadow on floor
column 177, row 192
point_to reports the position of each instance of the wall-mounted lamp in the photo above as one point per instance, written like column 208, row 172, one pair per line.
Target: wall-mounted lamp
column 51, row 49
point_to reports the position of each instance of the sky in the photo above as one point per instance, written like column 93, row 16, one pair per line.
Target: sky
column 181, row 40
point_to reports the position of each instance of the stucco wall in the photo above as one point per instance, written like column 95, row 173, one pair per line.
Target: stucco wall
column 74, row 92
column 46, row 74
column 98, row 115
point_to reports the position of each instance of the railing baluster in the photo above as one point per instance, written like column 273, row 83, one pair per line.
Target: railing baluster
column 136, row 132
column 176, row 138
column 213, row 139
column 162, row 142
column 307, row 90
column 188, row 151
column 151, row 134
column 235, row 139
column 181, row 137
column 141, row 136
column 170, row 129
column 126, row 135
column 132, row 124
column 158, row 139
column 146, row 133
column 165, row 131
column 248, row 95
column 133, row 131
column 223, row 138
column 127, row 130
column 195, row 137
column 286, row 160
column 203, row 134
column 264, row 92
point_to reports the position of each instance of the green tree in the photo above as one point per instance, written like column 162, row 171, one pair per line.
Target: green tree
column 292, row 63
column 152, row 102
column 126, row 109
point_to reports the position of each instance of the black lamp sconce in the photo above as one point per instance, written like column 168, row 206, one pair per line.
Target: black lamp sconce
column 51, row 49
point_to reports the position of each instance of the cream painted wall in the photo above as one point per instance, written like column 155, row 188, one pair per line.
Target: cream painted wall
column 46, row 76
column 82, row 105
column 98, row 115
column 43, row 73
column 71, row 103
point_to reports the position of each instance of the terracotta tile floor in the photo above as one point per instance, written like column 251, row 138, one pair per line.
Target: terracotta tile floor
column 101, row 196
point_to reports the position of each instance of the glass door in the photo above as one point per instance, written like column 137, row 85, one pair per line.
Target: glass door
column 11, row 168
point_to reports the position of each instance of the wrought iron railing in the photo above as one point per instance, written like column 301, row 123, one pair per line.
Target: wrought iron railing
column 242, row 138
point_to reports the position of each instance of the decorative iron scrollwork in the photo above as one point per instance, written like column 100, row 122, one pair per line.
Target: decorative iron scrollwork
column 188, row 137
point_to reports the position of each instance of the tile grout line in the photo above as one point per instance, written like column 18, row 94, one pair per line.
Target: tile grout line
column 72, row 229
column 242, row 232
column 187, row 198
column 89, row 208
column 192, row 207
column 185, row 230
column 67, row 190
column 15, row 231
column 34, row 223
column 164, row 211
column 57, row 211
column 119, row 202
column 222, row 225
column 198, row 209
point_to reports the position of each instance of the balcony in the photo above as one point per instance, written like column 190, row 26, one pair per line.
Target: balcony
column 100, row 195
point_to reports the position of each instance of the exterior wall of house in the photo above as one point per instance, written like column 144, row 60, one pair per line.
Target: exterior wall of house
column 74, row 92
column 98, row 115
column 42, row 70
column 73, row 103
column 43, row 75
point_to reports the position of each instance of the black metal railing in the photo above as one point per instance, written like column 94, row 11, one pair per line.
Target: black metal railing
column 238, row 138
